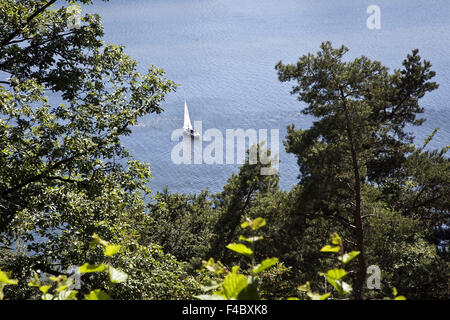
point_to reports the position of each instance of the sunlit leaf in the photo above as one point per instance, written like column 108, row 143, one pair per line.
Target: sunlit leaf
column 250, row 239
column 348, row 256
column 111, row 250
column 394, row 291
column 305, row 287
column 265, row 265
column 67, row 295
column 318, row 296
column 240, row 248
column 329, row 248
column 86, row 268
column 258, row 223
column 233, row 284
column 209, row 297
column 4, row 278
column 245, row 224
column 96, row 240
column 116, row 275
column 97, row 295
column 44, row 289
column 335, row 274
column 336, row 239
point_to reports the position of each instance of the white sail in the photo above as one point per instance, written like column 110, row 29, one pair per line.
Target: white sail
column 187, row 121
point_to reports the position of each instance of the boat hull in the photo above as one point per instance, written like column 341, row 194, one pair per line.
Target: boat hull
column 194, row 134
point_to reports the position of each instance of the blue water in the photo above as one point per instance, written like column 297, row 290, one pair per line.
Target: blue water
column 223, row 54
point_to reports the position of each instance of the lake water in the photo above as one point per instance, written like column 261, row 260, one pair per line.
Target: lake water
column 223, row 54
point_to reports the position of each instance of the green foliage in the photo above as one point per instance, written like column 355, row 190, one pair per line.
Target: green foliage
column 395, row 295
column 62, row 284
column 235, row 202
column 162, row 281
column 241, row 249
column 358, row 139
column 5, row 280
column 236, row 285
column 153, row 275
column 333, row 276
column 313, row 296
column 181, row 224
column 97, row 295
column 64, row 173
column 400, row 246
column 86, row 268
column 265, row 264
column 64, row 176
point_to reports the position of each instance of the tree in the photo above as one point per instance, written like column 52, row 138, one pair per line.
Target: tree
column 182, row 224
column 64, row 174
column 359, row 137
column 421, row 190
column 234, row 201
column 67, row 144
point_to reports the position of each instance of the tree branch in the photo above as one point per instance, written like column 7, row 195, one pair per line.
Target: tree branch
column 37, row 177
column 63, row 179
column 8, row 39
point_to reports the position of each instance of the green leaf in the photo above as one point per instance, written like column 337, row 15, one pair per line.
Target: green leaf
column 68, row 295
column 348, row 256
column 399, row 298
column 209, row 297
column 245, row 224
column 346, row 288
column 312, row 295
column 329, row 248
column 318, row 296
column 116, row 275
column 96, row 240
column 86, row 268
column 233, row 284
column 334, row 277
column 265, row 265
column 335, row 274
column 4, row 278
column 240, row 248
column 35, row 282
column 44, row 289
column 258, row 223
column 97, row 295
column 251, row 239
column 47, row 296
column 341, row 287
column 335, row 239
column 394, row 291
column 305, row 287
column 111, row 250
column 66, row 283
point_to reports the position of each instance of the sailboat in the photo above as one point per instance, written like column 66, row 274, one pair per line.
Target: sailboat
column 187, row 126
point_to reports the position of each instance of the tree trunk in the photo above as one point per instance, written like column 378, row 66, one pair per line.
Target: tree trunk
column 357, row 220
